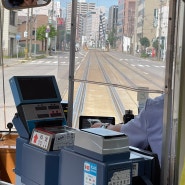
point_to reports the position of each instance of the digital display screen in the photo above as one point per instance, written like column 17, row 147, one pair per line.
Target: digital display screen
column 88, row 121
column 37, row 88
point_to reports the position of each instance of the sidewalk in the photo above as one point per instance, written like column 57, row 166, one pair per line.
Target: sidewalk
column 13, row 61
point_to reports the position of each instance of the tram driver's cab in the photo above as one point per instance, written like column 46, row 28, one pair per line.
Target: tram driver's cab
column 48, row 152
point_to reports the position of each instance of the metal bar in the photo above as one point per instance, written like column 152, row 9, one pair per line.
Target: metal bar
column 178, row 150
column 72, row 64
column 167, row 115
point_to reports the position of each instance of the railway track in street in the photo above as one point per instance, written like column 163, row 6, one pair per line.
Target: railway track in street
column 107, row 87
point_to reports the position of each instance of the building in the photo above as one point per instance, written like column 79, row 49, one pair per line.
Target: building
column 10, row 35
column 27, row 30
column 113, row 18
column 82, row 9
column 119, row 42
column 113, row 24
column 94, row 27
column 13, row 33
column 144, row 22
column 129, row 18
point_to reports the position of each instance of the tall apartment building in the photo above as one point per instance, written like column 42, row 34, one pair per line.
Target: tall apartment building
column 94, row 27
column 113, row 18
column 113, row 22
column 82, row 9
column 90, row 28
column 129, row 18
column 119, row 43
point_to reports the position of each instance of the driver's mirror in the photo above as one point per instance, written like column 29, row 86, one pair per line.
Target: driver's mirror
column 21, row 4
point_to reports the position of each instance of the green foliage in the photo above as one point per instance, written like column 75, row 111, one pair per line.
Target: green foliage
column 144, row 55
column 145, row 42
column 155, row 44
column 41, row 32
column 52, row 32
column 112, row 37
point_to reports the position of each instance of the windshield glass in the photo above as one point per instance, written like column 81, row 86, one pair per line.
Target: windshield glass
column 119, row 57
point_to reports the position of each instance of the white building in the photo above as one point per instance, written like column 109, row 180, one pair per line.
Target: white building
column 82, row 9
column 91, row 27
column 162, row 29
column 10, row 33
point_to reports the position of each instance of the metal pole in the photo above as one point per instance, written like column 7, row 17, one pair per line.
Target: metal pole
column 35, row 49
column 72, row 64
column 30, row 30
column 178, row 126
column 159, row 40
column 167, row 115
column 26, row 48
column 1, row 33
column 17, row 50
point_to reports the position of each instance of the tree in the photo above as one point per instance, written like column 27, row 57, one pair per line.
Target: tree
column 156, row 44
column 145, row 42
column 41, row 34
column 52, row 32
column 112, row 38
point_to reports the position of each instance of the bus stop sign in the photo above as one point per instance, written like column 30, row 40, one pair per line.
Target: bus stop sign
column 17, row 37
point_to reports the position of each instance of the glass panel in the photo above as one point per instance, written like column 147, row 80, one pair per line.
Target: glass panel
column 119, row 54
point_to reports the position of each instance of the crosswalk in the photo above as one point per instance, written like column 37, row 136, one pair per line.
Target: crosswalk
column 147, row 66
column 54, row 61
column 44, row 62
column 65, row 61
column 137, row 63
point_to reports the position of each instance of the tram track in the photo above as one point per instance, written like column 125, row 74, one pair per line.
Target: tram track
column 133, row 85
column 100, row 70
column 83, row 92
column 115, row 97
column 80, row 97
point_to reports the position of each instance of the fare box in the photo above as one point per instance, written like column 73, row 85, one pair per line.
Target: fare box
column 53, row 138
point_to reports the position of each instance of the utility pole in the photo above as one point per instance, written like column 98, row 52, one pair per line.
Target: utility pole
column 52, row 23
column 30, row 33
column 35, row 48
column 26, row 34
column 159, row 40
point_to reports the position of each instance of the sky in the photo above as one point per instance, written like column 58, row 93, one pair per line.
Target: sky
column 106, row 3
